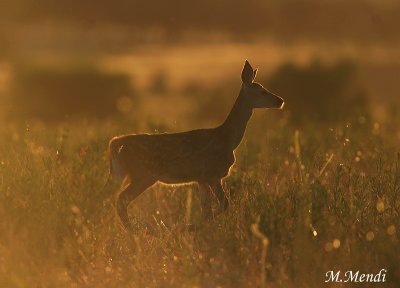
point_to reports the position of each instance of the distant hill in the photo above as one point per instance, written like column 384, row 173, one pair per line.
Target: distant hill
column 364, row 20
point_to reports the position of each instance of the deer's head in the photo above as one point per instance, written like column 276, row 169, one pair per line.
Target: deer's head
column 256, row 95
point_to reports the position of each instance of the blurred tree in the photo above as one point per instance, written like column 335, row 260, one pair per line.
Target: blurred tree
column 52, row 94
column 159, row 83
column 320, row 93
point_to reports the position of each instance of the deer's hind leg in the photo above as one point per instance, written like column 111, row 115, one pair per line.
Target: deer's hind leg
column 129, row 192
column 205, row 198
column 218, row 190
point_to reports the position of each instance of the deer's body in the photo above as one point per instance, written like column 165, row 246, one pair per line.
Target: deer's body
column 174, row 158
column 204, row 155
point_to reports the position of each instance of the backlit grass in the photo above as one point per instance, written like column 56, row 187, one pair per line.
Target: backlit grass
column 303, row 202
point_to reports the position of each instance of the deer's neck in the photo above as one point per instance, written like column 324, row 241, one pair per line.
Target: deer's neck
column 236, row 122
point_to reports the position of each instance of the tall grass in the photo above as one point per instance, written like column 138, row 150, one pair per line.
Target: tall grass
column 302, row 203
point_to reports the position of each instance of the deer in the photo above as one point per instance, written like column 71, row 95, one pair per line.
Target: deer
column 205, row 156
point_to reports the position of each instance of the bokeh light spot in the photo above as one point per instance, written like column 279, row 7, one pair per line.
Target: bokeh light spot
column 370, row 236
column 380, row 206
column 391, row 230
column 336, row 243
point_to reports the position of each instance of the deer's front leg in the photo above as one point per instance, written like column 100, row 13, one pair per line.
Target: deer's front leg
column 205, row 198
column 216, row 186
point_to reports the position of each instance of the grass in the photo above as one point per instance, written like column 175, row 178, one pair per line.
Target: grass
column 303, row 202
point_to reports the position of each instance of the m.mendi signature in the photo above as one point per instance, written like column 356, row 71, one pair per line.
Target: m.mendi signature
column 357, row 277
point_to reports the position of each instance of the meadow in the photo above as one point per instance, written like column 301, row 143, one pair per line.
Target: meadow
column 315, row 188
column 304, row 200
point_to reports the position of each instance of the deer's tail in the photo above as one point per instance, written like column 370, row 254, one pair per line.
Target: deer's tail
column 109, row 174
column 115, row 167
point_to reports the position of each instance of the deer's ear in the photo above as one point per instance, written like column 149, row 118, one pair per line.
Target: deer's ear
column 255, row 73
column 247, row 73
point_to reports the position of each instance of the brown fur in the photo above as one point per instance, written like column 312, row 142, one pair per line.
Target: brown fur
column 204, row 155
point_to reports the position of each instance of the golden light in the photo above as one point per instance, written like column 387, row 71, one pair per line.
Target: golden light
column 391, row 230
column 336, row 243
column 370, row 236
column 380, row 206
